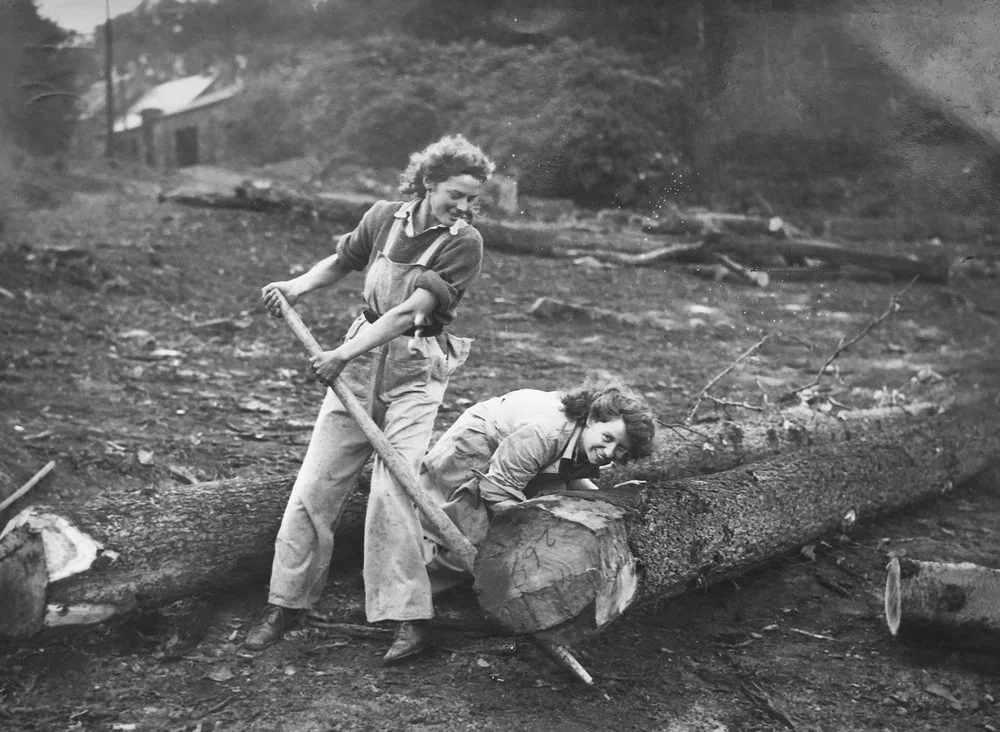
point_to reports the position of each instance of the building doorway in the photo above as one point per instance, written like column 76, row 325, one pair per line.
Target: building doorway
column 186, row 143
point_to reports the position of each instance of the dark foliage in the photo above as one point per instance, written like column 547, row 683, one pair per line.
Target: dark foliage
column 37, row 78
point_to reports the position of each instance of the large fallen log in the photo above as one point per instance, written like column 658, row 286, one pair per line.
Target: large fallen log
column 112, row 554
column 690, row 533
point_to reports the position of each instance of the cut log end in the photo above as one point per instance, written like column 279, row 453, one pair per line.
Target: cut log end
column 557, row 564
column 893, row 602
column 960, row 601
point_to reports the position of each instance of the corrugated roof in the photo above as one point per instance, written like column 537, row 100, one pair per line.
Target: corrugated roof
column 170, row 97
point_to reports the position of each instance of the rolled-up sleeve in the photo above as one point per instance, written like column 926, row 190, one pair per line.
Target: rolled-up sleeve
column 455, row 267
column 518, row 458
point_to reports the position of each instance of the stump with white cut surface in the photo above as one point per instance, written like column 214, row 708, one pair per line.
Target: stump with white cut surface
column 942, row 599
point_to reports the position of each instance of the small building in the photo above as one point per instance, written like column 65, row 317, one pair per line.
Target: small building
column 171, row 125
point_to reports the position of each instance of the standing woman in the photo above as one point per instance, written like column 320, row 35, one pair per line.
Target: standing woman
column 421, row 257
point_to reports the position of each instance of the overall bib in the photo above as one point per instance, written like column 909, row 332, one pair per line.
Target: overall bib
column 402, row 383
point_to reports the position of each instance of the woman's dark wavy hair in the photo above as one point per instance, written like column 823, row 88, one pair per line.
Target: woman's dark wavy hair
column 439, row 161
column 607, row 403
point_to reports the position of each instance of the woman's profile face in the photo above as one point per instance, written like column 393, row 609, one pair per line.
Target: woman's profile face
column 451, row 199
column 604, row 442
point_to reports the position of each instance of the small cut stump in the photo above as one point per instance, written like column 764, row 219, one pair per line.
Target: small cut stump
column 960, row 601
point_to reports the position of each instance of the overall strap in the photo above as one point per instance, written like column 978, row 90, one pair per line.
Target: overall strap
column 394, row 233
column 429, row 253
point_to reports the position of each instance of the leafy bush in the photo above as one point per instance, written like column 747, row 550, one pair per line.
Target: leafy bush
column 262, row 129
column 570, row 120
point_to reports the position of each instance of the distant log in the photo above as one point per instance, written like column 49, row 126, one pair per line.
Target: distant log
column 694, row 532
column 753, row 241
column 699, row 223
column 934, row 271
column 958, row 601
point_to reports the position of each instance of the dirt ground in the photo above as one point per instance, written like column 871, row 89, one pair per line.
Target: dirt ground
column 133, row 352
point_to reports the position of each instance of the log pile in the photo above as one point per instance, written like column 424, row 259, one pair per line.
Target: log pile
column 752, row 250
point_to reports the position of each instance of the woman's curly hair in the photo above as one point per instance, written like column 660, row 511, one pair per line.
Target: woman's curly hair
column 607, row 403
column 451, row 155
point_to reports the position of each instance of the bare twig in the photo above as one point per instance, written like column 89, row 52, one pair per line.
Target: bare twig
column 844, row 345
column 818, row 636
column 701, row 395
column 29, row 485
column 677, row 429
column 741, row 405
column 763, row 701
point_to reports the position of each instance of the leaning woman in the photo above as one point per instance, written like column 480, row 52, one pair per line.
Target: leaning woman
column 421, row 256
column 510, row 448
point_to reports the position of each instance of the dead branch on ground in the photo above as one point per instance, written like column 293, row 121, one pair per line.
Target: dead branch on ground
column 844, row 345
column 739, row 359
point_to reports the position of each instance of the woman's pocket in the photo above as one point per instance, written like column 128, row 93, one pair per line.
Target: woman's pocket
column 457, row 350
column 405, row 375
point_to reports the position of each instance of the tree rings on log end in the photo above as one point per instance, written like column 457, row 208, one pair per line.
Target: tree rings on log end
column 558, row 564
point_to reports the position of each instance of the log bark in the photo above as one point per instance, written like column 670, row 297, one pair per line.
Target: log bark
column 113, row 554
column 152, row 547
column 690, row 533
column 959, row 601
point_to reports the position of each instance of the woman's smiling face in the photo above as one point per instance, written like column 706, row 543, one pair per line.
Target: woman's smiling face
column 452, row 199
column 604, row 442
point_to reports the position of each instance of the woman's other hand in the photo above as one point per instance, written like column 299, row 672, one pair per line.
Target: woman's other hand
column 269, row 295
column 328, row 365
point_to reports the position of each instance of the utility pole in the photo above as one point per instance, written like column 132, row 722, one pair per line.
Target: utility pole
column 109, row 88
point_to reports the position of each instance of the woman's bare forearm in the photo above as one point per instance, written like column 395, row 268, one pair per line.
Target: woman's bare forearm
column 322, row 274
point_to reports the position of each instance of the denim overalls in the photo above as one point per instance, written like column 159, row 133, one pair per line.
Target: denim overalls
column 403, row 384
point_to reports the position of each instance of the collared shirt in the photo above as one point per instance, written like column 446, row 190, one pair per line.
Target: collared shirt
column 535, row 445
column 455, row 266
column 409, row 212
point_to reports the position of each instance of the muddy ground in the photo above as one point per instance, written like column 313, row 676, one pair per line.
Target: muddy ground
column 133, row 352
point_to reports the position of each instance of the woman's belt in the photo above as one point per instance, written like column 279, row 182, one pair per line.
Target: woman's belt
column 426, row 331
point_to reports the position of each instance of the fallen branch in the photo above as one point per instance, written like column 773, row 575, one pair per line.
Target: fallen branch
column 763, row 701
column 34, row 480
column 715, row 379
column 549, row 308
column 756, row 277
column 844, row 345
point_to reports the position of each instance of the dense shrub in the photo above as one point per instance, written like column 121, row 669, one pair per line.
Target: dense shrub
column 569, row 120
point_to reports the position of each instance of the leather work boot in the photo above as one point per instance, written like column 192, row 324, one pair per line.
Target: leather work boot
column 270, row 626
column 412, row 638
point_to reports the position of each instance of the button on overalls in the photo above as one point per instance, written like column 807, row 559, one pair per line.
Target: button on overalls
column 402, row 383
